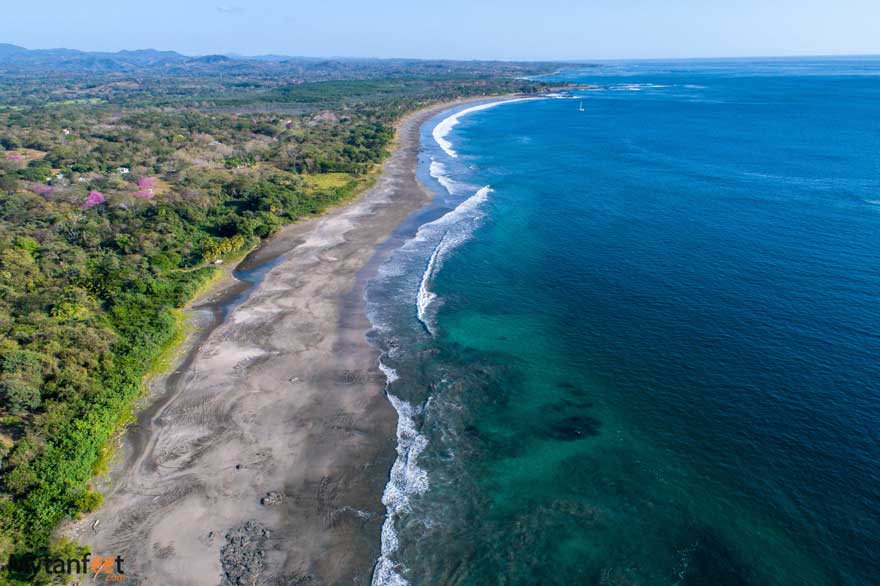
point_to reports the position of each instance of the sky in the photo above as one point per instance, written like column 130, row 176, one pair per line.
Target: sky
column 455, row 29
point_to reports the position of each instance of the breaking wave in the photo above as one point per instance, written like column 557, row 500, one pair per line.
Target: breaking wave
column 406, row 479
column 442, row 130
column 456, row 228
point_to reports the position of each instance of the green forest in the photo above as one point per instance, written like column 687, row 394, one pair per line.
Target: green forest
column 117, row 193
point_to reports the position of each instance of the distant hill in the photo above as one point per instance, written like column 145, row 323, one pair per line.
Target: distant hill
column 19, row 59
column 101, row 67
column 212, row 59
column 13, row 57
column 7, row 50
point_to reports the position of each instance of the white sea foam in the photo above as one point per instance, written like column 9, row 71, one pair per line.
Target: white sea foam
column 442, row 130
column 425, row 296
column 438, row 169
column 455, row 231
column 637, row 87
column 406, row 480
column 438, row 172
column 390, row 373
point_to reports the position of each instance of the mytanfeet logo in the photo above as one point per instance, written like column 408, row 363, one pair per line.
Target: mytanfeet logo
column 110, row 567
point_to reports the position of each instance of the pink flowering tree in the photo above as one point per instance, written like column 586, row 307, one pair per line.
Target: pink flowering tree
column 42, row 189
column 16, row 159
column 146, row 185
column 94, row 198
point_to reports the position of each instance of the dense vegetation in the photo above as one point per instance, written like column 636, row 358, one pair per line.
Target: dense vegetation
column 116, row 194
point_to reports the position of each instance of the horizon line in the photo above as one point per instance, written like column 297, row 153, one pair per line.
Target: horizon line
column 572, row 60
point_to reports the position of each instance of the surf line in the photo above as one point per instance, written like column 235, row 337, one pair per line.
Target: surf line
column 442, row 130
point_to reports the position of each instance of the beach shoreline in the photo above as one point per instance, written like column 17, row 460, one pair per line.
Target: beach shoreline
column 263, row 456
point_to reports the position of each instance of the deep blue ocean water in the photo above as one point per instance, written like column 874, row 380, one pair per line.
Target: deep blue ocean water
column 648, row 353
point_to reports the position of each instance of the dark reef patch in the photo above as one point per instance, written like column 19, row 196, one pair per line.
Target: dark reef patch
column 573, row 428
column 712, row 561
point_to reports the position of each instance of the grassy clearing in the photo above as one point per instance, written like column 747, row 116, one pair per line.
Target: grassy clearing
column 327, row 180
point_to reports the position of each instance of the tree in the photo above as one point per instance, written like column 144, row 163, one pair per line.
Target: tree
column 18, row 395
column 21, row 377
column 8, row 184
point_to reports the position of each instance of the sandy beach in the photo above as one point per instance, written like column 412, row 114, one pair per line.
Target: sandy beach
column 262, row 458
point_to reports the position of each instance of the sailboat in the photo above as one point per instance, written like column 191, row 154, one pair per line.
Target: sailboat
column 581, row 108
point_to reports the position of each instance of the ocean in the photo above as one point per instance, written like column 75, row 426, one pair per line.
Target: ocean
column 640, row 343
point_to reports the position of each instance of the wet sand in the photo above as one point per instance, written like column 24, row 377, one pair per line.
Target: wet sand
column 278, row 400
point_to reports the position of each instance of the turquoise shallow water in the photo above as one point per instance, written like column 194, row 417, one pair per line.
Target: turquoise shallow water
column 649, row 354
